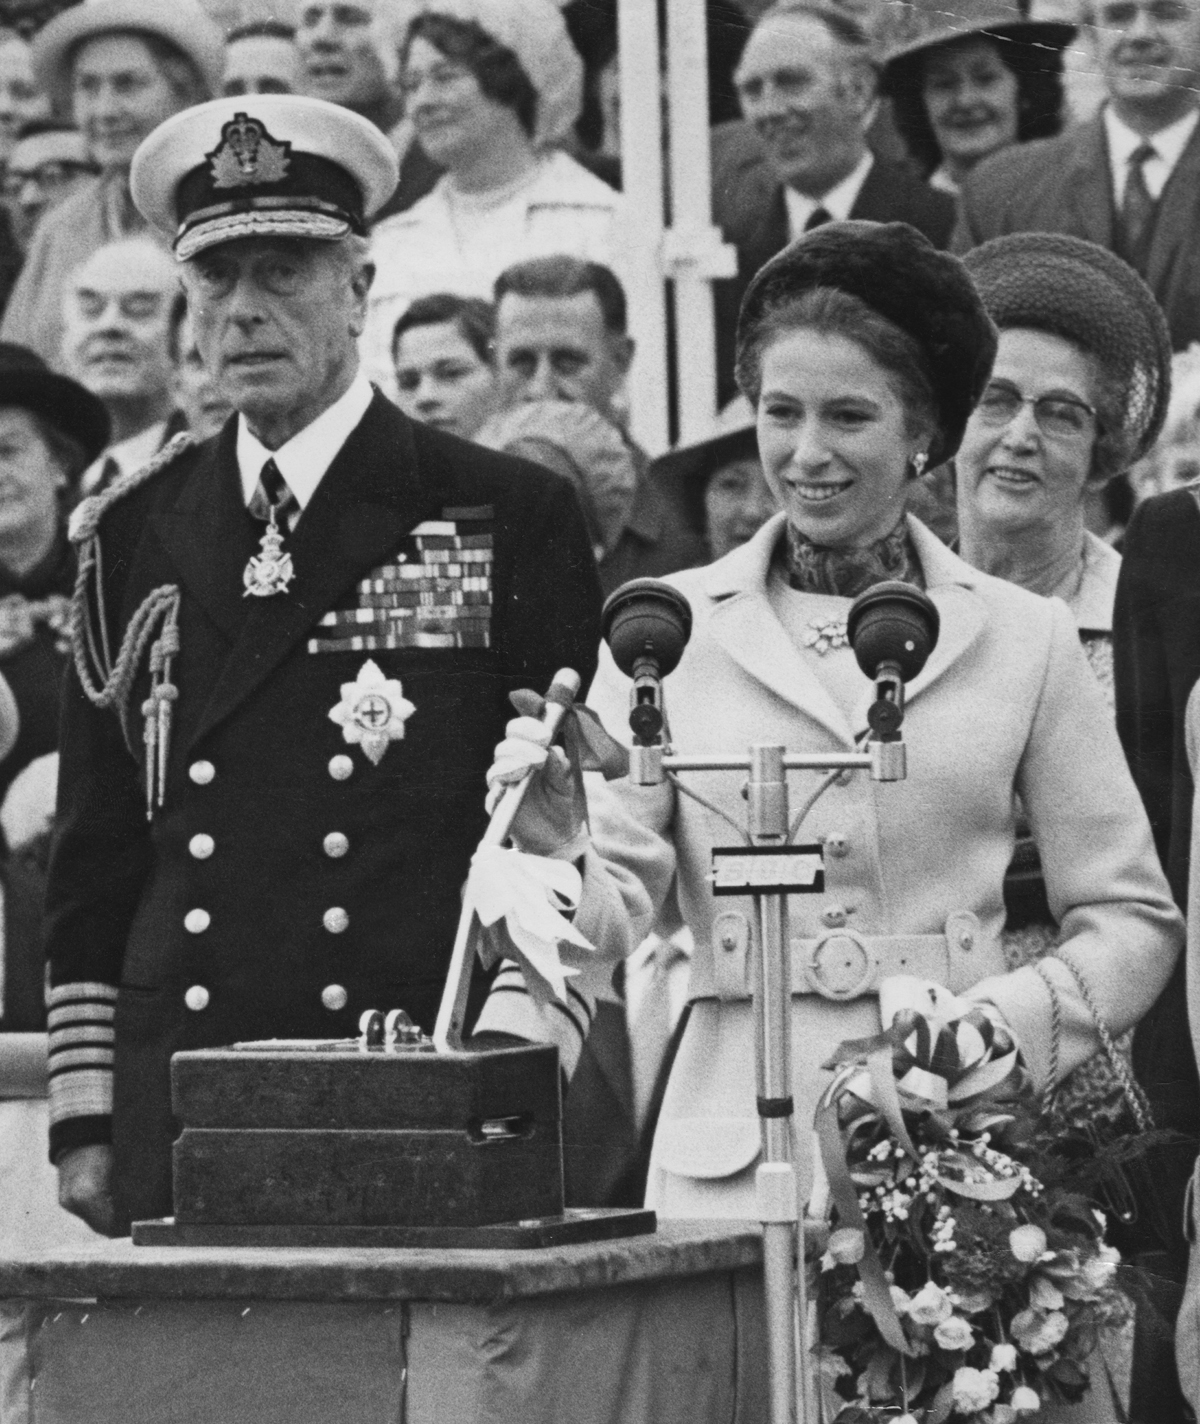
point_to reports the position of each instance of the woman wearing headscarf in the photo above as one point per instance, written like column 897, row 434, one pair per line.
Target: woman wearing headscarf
column 965, row 84
column 119, row 68
column 863, row 351
column 492, row 88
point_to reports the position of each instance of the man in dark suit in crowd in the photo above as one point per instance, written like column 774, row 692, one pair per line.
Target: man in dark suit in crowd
column 1128, row 179
column 273, row 758
column 1156, row 656
column 807, row 81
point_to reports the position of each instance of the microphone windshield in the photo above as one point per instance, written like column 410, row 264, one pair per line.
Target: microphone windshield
column 646, row 620
column 894, row 623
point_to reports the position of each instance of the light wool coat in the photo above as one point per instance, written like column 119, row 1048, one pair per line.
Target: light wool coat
column 1006, row 703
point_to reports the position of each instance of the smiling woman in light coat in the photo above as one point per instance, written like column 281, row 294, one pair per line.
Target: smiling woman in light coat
column 863, row 351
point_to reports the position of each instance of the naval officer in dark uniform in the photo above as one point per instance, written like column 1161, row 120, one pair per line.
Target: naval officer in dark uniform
column 294, row 645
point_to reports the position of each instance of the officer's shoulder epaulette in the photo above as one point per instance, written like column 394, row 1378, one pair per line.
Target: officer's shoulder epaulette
column 86, row 516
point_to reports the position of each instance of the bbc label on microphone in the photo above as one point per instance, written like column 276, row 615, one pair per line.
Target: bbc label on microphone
column 770, row 870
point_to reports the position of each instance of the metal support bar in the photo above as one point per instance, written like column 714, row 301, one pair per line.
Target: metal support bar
column 642, row 180
column 817, row 761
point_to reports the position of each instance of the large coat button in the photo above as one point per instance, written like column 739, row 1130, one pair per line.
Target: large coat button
column 336, row 845
column 341, row 768
column 335, row 919
column 202, row 772
column 197, row 921
column 836, row 844
column 202, row 846
column 196, row 998
column 334, row 997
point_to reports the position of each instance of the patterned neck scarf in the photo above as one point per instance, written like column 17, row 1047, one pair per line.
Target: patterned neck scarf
column 816, row 568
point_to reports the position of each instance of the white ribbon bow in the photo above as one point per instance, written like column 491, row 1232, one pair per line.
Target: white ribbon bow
column 528, row 892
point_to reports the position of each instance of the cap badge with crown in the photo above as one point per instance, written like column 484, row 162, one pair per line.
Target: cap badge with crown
column 247, row 154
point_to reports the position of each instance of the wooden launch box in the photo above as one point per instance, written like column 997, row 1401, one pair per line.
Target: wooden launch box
column 305, row 1143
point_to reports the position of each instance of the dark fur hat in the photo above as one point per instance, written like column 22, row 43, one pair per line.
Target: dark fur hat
column 899, row 273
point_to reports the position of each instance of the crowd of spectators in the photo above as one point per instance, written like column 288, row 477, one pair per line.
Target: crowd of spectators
column 498, row 308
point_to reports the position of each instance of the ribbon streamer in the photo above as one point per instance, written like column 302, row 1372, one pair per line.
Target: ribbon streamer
column 529, row 893
column 937, row 1054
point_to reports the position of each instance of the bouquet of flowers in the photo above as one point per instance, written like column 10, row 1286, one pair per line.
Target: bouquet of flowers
column 964, row 1279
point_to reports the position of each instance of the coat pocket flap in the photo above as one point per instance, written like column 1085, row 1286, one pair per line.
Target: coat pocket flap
column 707, row 1146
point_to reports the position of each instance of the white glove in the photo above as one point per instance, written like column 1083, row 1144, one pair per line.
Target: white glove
column 552, row 819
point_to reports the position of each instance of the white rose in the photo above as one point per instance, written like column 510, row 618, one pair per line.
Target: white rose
column 954, row 1334
column 1027, row 1243
column 930, row 1306
column 847, row 1245
column 974, row 1389
column 901, row 1300
column 1004, row 1359
column 1044, row 1294
column 1025, row 1400
column 1036, row 1332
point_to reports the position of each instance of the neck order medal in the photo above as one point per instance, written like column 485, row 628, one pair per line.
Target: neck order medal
column 270, row 570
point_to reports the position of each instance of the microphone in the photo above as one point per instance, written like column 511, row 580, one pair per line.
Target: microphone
column 892, row 627
column 646, row 624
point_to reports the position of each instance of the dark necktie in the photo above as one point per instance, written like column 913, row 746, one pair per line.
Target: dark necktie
column 273, row 494
column 1137, row 209
column 817, row 218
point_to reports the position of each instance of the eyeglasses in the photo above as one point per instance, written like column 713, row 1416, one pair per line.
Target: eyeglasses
column 1059, row 417
column 48, row 176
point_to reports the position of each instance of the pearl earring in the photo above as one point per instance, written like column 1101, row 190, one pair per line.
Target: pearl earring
column 919, row 461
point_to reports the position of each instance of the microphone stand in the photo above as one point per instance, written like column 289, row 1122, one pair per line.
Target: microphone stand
column 767, row 872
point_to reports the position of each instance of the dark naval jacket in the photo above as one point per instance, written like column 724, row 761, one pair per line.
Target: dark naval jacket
column 288, row 881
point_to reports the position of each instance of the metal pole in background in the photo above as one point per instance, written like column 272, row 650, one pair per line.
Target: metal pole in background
column 694, row 252
column 642, row 182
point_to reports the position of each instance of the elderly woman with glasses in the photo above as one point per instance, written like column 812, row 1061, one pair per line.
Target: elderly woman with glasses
column 1078, row 393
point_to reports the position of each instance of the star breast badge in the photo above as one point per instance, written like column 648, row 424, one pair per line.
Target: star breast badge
column 373, row 711
column 247, row 154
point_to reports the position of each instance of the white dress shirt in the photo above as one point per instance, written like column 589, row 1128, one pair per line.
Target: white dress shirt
column 303, row 460
column 837, row 202
column 1168, row 145
column 128, row 455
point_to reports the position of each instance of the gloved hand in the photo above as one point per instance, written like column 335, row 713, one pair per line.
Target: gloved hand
column 552, row 819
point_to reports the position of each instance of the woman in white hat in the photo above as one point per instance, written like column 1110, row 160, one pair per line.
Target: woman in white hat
column 492, row 87
column 120, row 67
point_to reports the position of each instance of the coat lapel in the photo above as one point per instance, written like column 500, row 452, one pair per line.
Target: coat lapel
column 744, row 624
column 950, row 583
column 1087, row 186
column 1178, row 214
column 370, row 497
column 207, row 536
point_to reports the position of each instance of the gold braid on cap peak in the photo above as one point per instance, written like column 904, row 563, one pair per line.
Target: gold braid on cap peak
column 108, row 682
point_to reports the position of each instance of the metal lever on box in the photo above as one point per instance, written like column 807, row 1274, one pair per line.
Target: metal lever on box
column 452, row 1012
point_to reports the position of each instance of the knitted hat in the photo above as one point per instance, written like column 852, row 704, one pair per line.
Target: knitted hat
column 899, row 273
column 1089, row 297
